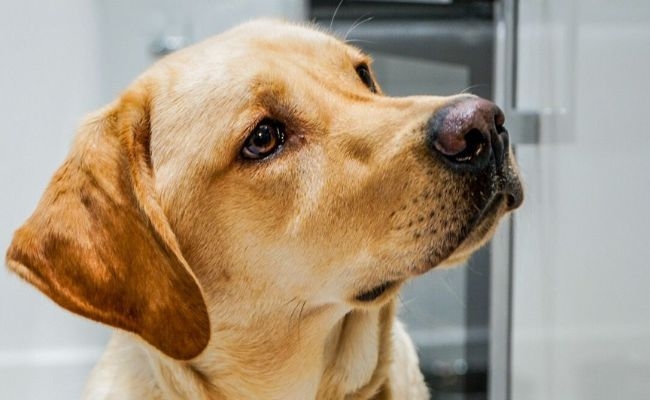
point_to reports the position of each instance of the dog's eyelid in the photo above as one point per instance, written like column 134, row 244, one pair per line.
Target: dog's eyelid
column 265, row 139
column 363, row 71
column 362, row 64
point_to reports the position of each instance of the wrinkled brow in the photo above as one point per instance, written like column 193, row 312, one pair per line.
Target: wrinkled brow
column 281, row 101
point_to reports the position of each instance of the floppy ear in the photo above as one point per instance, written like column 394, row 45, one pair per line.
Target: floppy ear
column 100, row 245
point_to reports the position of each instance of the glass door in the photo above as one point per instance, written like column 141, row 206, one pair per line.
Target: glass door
column 441, row 48
column 580, row 322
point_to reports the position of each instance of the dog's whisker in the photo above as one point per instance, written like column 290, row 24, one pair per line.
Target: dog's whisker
column 404, row 305
column 291, row 301
column 336, row 10
column 355, row 25
column 445, row 281
column 472, row 268
column 295, row 317
column 302, row 308
column 295, row 308
column 359, row 41
column 290, row 320
column 467, row 89
column 425, row 320
column 401, row 302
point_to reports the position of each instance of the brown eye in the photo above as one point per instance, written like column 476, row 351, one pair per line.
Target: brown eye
column 366, row 78
column 266, row 139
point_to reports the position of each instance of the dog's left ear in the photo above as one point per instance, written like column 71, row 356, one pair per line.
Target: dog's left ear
column 100, row 245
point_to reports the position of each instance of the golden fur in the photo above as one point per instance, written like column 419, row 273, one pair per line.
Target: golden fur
column 237, row 279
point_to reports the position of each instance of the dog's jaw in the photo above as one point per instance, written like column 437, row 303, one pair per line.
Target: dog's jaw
column 352, row 358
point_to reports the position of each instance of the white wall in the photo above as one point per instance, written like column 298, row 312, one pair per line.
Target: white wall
column 61, row 60
column 128, row 28
column 50, row 78
column 582, row 254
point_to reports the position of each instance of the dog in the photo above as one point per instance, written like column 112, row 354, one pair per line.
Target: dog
column 246, row 211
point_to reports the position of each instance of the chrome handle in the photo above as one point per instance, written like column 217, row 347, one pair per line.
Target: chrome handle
column 523, row 126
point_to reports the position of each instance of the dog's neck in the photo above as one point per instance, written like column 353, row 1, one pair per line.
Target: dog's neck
column 350, row 356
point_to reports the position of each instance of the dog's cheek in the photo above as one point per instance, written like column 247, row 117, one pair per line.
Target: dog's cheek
column 434, row 211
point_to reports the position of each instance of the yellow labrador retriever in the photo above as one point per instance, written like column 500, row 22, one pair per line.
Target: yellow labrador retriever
column 246, row 212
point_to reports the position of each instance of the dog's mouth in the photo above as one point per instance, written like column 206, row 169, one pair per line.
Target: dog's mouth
column 376, row 292
column 481, row 230
column 476, row 236
column 490, row 213
column 507, row 197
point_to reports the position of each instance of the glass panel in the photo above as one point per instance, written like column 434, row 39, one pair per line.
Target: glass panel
column 581, row 317
column 434, row 50
column 405, row 76
column 437, row 308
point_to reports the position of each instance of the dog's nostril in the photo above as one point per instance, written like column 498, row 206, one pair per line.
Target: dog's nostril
column 467, row 132
column 514, row 198
column 499, row 120
column 500, row 128
column 475, row 144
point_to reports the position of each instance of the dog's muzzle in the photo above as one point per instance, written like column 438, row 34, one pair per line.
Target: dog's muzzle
column 468, row 135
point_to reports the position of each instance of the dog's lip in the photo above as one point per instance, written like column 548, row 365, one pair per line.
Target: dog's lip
column 508, row 183
column 512, row 190
column 476, row 234
column 496, row 207
column 376, row 292
column 491, row 210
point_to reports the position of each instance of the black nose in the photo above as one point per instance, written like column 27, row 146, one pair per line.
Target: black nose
column 467, row 132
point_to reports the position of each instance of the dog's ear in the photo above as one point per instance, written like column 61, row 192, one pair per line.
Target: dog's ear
column 100, row 245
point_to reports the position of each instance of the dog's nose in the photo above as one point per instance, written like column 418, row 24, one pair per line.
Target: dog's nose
column 467, row 132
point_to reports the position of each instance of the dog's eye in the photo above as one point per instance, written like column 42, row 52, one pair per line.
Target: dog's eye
column 366, row 78
column 267, row 137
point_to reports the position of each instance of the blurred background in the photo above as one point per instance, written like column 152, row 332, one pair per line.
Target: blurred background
column 556, row 307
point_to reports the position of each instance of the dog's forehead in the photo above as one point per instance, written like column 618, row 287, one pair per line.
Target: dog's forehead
column 273, row 35
column 263, row 44
column 229, row 65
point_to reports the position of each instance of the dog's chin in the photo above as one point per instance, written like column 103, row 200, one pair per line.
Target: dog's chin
column 479, row 234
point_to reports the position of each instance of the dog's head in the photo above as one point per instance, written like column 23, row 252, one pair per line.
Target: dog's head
column 262, row 167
